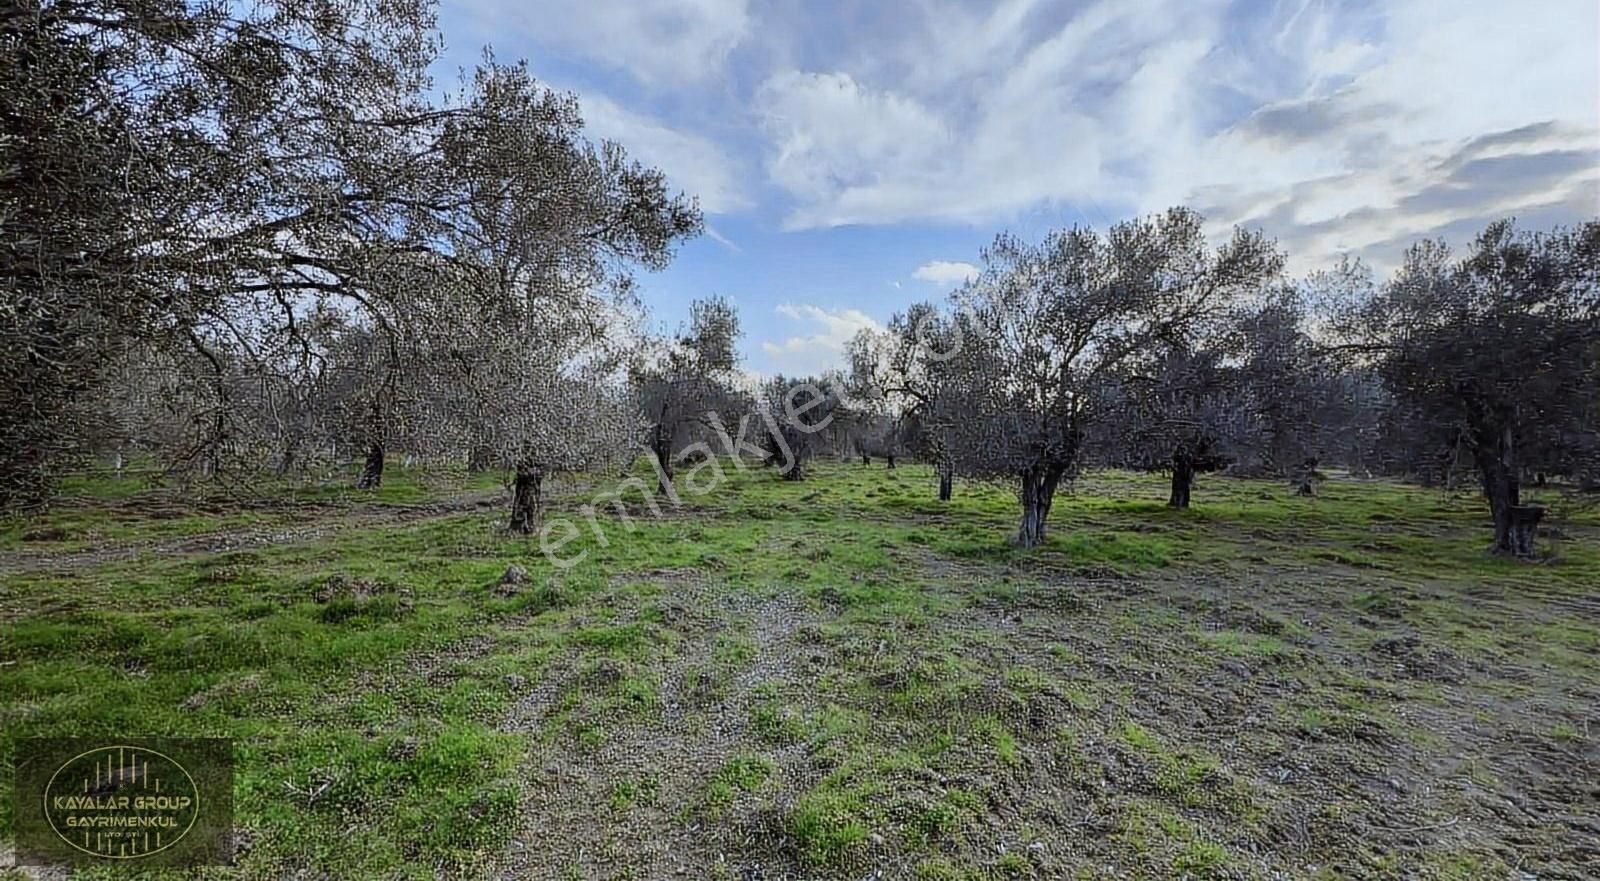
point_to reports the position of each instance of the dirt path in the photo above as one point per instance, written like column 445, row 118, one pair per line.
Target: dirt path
column 324, row 521
column 638, row 804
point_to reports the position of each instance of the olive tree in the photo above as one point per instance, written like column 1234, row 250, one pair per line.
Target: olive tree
column 1183, row 415
column 361, row 397
column 689, row 381
column 901, row 369
column 1286, row 386
column 175, row 162
column 563, row 409
column 199, row 179
column 1493, row 358
column 795, row 413
column 531, row 332
column 1043, row 326
column 1253, row 394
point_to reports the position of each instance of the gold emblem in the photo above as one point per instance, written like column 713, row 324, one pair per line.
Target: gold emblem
column 121, row 802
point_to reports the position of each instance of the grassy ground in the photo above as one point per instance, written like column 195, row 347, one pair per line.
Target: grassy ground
column 835, row 677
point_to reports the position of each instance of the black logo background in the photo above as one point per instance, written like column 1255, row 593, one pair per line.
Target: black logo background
column 200, row 768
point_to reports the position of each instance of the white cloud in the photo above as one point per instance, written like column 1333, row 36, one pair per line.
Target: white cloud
column 1332, row 127
column 658, row 42
column 1385, row 143
column 823, row 346
column 850, row 154
column 833, row 136
column 945, row 272
column 692, row 163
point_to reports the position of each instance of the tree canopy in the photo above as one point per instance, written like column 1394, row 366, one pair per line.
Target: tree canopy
column 204, row 181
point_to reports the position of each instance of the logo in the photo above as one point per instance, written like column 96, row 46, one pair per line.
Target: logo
column 122, row 802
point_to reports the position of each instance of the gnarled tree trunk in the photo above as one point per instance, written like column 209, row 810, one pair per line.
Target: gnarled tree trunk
column 1038, row 492
column 797, row 441
column 288, row 460
column 371, row 476
column 661, row 448
column 1306, row 482
column 946, row 479
column 1524, row 526
column 1503, row 494
column 527, row 498
column 1182, row 480
column 1503, row 489
column 1191, row 458
column 479, row 459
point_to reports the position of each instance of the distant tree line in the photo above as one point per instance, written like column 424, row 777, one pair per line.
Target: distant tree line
column 1144, row 347
column 247, row 240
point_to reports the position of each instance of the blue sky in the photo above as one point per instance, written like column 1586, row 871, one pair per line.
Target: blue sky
column 853, row 157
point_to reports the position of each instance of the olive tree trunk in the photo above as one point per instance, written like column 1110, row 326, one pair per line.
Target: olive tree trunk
column 1502, row 488
column 371, row 476
column 1504, row 495
column 798, row 443
column 1524, row 525
column 1182, row 481
column 287, row 461
column 661, row 448
column 527, row 500
column 1038, row 492
column 480, row 458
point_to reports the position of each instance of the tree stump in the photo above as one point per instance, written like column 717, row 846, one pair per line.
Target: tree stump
column 1524, row 526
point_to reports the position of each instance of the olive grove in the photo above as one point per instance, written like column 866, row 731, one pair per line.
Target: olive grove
column 688, row 382
column 241, row 241
column 1045, row 327
column 199, row 187
column 1492, row 361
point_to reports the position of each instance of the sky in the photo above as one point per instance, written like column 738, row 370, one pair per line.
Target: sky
column 852, row 158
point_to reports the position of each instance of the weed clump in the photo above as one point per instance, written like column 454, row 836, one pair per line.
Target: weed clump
column 342, row 598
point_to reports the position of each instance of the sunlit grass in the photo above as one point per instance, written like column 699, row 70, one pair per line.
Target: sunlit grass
column 370, row 742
